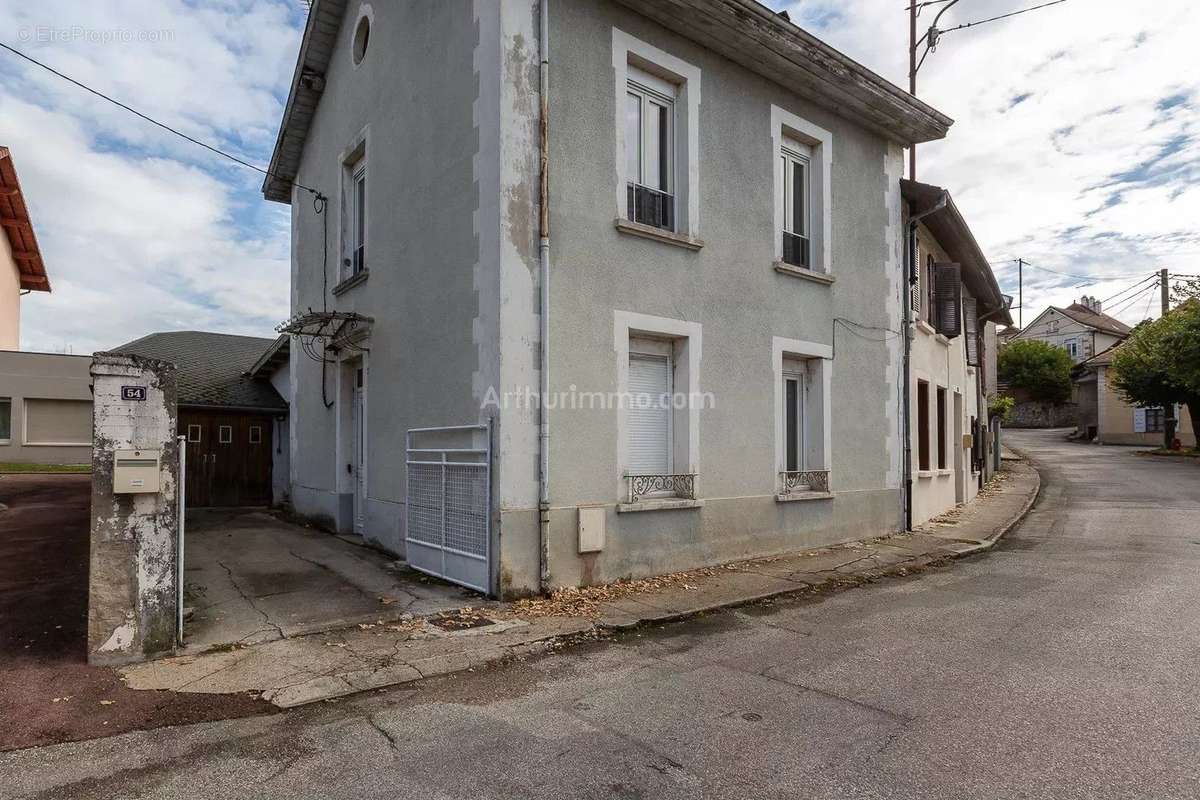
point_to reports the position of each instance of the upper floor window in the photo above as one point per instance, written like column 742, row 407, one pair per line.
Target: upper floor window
column 1073, row 347
column 658, row 142
column 358, row 217
column 650, row 149
column 803, row 154
column 794, row 160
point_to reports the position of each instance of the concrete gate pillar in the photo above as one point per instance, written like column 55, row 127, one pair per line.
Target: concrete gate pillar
column 132, row 592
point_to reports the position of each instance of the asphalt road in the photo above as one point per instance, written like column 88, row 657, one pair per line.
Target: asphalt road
column 1063, row 664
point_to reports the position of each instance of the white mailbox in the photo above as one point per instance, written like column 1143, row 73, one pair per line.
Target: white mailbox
column 135, row 471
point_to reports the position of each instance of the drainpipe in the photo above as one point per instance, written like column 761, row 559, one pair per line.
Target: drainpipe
column 544, row 296
column 910, row 247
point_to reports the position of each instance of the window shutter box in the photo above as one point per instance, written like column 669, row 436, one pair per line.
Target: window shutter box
column 971, row 329
column 947, row 288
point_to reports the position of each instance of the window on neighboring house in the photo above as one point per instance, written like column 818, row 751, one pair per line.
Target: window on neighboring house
column 650, row 149
column 255, row 434
column 941, row 428
column 358, row 218
column 193, row 433
column 648, row 421
column 794, row 160
column 923, row 434
column 1073, row 348
column 5, row 419
column 1154, row 420
column 918, row 284
column 225, row 434
column 928, row 304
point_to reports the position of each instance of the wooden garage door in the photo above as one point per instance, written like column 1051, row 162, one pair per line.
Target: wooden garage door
column 228, row 458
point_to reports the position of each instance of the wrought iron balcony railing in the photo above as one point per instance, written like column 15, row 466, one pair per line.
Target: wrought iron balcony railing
column 811, row 480
column 796, row 250
column 651, row 207
column 643, row 486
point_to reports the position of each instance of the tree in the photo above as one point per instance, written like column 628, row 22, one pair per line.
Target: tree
column 1159, row 364
column 1041, row 369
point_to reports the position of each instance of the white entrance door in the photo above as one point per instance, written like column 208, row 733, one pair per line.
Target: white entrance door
column 360, row 453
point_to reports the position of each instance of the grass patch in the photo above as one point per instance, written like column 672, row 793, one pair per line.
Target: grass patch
column 12, row 467
column 1186, row 452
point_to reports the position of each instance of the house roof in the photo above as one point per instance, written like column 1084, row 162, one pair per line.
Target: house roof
column 952, row 232
column 14, row 217
column 745, row 31
column 1094, row 319
column 273, row 357
column 212, row 368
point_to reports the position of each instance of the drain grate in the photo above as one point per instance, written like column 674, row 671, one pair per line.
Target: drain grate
column 461, row 620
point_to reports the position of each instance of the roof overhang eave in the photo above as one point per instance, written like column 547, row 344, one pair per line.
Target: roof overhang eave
column 750, row 34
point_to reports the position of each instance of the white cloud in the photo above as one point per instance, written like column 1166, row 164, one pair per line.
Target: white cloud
column 1038, row 178
column 140, row 230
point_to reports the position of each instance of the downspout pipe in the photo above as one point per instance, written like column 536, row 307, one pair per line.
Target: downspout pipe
column 911, row 268
column 544, row 295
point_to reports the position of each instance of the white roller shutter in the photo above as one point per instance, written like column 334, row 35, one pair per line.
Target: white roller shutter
column 648, row 421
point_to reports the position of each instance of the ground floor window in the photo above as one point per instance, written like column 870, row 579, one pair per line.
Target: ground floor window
column 941, row 428
column 648, row 422
column 1154, row 420
column 923, row 433
column 795, row 417
column 5, row 419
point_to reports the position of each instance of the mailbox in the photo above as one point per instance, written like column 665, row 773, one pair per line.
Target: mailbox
column 135, row 471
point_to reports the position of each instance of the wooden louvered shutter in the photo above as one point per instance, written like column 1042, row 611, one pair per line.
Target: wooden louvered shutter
column 971, row 329
column 947, row 298
column 915, row 285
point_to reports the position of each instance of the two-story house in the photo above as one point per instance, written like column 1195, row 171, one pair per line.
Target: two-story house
column 586, row 289
column 1082, row 329
column 955, row 304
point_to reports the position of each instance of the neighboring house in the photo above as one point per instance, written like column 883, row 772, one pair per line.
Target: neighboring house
column 45, row 399
column 722, row 229
column 955, row 303
column 1082, row 329
column 1105, row 418
column 235, row 422
column 21, row 266
column 45, row 408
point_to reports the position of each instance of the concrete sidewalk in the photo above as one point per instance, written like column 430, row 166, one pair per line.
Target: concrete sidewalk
column 305, row 669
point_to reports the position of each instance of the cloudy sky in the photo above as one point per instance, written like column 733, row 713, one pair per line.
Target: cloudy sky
column 1075, row 147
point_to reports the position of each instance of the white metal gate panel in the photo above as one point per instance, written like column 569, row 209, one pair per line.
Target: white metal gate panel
column 448, row 525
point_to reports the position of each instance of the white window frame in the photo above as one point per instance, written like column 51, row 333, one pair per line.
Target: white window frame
column 686, row 342
column 354, row 166
column 225, row 434
column 818, row 360
column 652, row 92
column 636, row 60
column 1072, row 346
column 791, row 154
column 797, row 371
column 198, row 433
column 787, row 126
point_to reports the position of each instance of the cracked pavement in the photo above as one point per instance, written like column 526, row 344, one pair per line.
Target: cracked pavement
column 1062, row 664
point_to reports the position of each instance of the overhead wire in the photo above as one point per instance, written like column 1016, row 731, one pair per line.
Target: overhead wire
column 154, row 121
column 1129, row 301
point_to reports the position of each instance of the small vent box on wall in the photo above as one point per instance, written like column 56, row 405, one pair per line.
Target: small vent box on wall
column 135, row 471
column 591, row 529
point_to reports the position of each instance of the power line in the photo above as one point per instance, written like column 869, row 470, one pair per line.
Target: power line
column 1128, row 302
column 1150, row 277
column 153, row 121
column 1002, row 16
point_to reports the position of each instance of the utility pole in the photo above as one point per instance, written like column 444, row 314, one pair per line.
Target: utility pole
column 1020, row 293
column 912, row 80
column 1168, row 412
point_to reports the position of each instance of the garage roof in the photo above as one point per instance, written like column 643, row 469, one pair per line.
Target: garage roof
column 213, row 368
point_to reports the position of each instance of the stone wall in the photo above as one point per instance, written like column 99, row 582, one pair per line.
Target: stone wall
column 1033, row 414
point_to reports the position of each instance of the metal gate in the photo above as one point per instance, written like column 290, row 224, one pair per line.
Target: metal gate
column 448, row 525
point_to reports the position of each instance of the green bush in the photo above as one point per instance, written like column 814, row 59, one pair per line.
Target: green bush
column 1001, row 406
